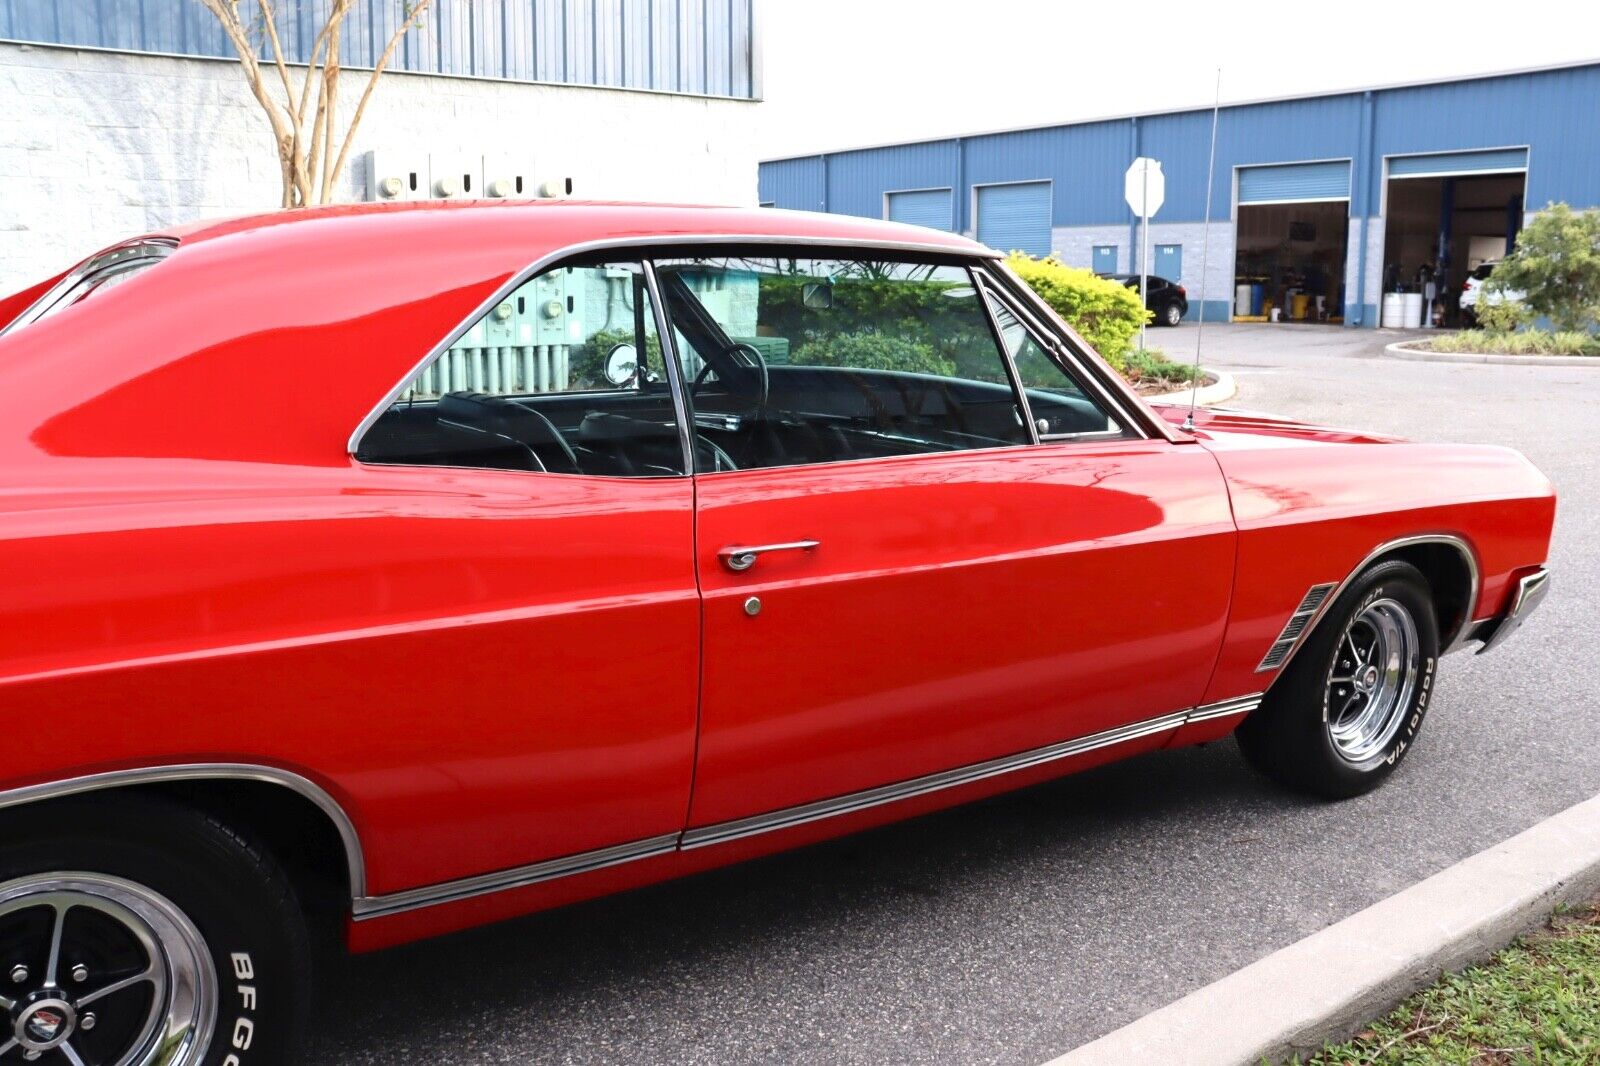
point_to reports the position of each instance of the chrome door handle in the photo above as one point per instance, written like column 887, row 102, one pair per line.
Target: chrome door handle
column 741, row 559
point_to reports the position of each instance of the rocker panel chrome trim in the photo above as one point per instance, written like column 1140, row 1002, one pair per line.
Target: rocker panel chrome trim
column 152, row 775
column 519, row 877
column 723, row 832
column 918, row 786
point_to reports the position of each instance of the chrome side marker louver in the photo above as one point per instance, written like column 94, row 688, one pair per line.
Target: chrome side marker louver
column 1295, row 627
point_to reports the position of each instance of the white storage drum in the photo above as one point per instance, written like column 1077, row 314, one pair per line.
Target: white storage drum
column 1242, row 300
column 1411, row 316
column 1393, row 310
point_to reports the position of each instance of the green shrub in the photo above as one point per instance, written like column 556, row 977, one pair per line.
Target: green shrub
column 1106, row 313
column 1526, row 342
column 870, row 350
column 1556, row 266
column 1502, row 316
column 1151, row 364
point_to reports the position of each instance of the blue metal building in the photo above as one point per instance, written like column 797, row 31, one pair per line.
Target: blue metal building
column 1336, row 199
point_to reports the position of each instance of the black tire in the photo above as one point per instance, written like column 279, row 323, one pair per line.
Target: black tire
column 234, row 894
column 1300, row 736
column 1171, row 314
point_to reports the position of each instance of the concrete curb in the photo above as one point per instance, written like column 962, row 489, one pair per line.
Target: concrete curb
column 1400, row 350
column 1221, row 389
column 1331, row 983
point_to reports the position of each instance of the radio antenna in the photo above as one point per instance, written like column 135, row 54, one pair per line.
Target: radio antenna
column 1205, row 256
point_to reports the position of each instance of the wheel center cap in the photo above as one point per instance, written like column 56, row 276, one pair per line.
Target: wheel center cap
column 1368, row 679
column 45, row 1024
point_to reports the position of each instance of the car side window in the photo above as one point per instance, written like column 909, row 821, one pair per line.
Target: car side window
column 797, row 359
column 564, row 375
column 1057, row 400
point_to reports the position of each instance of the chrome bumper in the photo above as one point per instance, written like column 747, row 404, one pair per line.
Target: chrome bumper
column 1525, row 600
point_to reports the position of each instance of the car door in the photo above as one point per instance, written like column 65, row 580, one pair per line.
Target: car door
column 534, row 673
column 901, row 577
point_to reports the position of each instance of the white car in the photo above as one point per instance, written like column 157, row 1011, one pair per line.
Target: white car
column 1470, row 291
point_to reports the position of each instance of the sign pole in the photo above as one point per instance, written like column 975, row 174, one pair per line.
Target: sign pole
column 1144, row 187
column 1144, row 257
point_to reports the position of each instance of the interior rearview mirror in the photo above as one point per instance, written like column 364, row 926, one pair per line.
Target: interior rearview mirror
column 817, row 295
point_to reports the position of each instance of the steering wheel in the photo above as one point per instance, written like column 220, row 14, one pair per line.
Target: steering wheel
column 720, row 460
column 753, row 371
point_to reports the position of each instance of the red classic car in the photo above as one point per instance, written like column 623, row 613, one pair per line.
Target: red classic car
column 373, row 572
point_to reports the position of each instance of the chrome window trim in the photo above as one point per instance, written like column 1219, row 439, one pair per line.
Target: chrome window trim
column 1126, row 428
column 1064, row 344
column 114, row 260
column 557, row 256
column 1459, row 638
column 584, row 862
column 154, row 775
column 669, row 355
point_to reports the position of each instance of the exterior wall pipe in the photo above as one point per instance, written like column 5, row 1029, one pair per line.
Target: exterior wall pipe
column 1363, row 202
column 1133, row 219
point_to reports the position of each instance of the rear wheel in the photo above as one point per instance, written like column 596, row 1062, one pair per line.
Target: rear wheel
column 139, row 933
column 1172, row 314
column 1350, row 704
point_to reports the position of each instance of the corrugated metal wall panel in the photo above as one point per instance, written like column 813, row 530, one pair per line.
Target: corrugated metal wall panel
column 798, row 184
column 1550, row 111
column 1294, row 183
column 1015, row 218
column 858, row 180
column 698, row 46
column 664, row 21
column 933, row 208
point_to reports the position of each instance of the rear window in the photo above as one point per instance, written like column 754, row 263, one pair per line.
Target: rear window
column 1483, row 272
column 95, row 274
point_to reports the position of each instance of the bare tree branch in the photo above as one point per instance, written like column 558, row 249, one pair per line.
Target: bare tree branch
column 305, row 142
column 413, row 16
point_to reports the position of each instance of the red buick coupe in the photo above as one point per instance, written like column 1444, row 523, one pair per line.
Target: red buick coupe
column 373, row 572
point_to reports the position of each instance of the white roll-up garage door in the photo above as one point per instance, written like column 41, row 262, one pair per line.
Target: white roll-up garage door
column 1293, row 183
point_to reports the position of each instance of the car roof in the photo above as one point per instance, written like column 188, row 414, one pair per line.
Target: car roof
column 164, row 363
column 550, row 224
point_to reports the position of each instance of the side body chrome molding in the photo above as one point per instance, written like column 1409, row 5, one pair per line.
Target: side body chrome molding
column 153, row 775
column 706, row 836
column 429, row 895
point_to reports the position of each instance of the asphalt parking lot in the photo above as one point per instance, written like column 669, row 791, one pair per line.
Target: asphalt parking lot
column 1017, row 928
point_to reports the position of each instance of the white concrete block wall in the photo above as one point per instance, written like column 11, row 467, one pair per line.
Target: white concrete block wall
column 1074, row 245
column 98, row 146
column 1218, row 259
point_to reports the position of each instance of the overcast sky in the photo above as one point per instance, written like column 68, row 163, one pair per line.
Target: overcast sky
column 842, row 73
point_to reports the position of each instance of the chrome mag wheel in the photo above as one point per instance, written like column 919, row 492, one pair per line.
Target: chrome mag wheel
column 1373, row 679
column 100, row 971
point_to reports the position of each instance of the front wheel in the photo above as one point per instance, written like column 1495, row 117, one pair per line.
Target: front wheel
column 1350, row 704
column 139, row 933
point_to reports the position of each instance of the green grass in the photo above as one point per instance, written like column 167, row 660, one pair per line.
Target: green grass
column 1538, row 1001
column 1523, row 342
